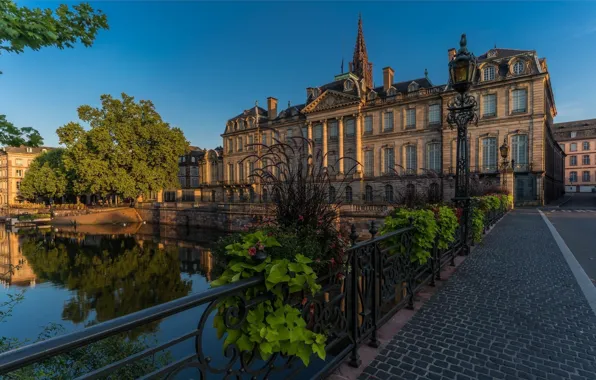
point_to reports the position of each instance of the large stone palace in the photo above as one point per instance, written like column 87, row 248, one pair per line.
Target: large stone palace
column 398, row 132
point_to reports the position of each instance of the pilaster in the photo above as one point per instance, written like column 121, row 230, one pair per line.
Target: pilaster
column 325, row 143
column 340, row 122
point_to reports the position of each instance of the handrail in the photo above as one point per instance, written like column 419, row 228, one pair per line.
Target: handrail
column 21, row 357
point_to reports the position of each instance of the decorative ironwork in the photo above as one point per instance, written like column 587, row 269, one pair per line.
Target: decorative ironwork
column 380, row 280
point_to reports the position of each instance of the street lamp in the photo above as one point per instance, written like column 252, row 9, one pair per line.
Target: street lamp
column 505, row 163
column 462, row 111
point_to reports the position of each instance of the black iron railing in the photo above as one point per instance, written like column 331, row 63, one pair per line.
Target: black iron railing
column 349, row 309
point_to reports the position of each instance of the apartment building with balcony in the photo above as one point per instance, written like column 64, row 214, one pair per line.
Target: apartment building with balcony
column 578, row 141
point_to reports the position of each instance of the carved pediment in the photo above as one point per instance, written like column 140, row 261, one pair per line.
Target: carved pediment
column 330, row 100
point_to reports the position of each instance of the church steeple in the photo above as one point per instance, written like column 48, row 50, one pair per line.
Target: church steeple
column 360, row 65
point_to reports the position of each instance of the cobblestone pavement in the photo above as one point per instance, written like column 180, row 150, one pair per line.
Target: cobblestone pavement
column 513, row 310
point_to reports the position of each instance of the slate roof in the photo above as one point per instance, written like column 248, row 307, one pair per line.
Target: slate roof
column 403, row 86
column 23, row 149
column 251, row 112
column 502, row 53
column 577, row 124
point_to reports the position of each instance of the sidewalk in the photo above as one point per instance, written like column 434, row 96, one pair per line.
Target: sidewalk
column 513, row 310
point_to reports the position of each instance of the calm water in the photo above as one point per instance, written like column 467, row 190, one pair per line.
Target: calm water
column 75, row 278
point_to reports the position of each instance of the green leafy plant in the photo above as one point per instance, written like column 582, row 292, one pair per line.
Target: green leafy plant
column 477, row 224
column 446, row 226
column 272, row 326
column 425, row 230
column 27, row 217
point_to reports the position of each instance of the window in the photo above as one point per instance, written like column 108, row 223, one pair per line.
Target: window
column 388, row 121
column 411, row 118
column 264, row 138
column 388, row 193
column 182, row 181
column 169, row 196
column 573, row 176
column 586, row 145
column 368, row 124
column 434, row 193
column 305, row 132
column 348, row 194
column 433, row 157
column 194, row 170
column 241, row 171
column 518, row 67
column 389, row 161
column 586, row 176
column 562, row 147
column 489, row 154
column 434, row 114
column 214, row 172
column 519, row 100
column 251, row 141
column 572, row 160
column 368, row 194
column 18, row 185
column 350, row 127
column 290, row 133
column 265, row 196
column 318, row 133
column 251, row 168
column 181, row 171
column 239, row 142
column 188, row 195
column 331, row 194
column 231, row 195
column 212, row 195
column 193, row 159
column 573, row 147
column 19, row 172
column 519, row 149
column 230, row 146
column 369, row 163
column 489, row 73
column 230, row 172
column 411, row 159
column 586, row 159
column 573, row 134
column 29, row 149
column 333, row 130
column 490, row 105
column 194, row 182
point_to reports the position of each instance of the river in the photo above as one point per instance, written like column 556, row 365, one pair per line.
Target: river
column 72, row 278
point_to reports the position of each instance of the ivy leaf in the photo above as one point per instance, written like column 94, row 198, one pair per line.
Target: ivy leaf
column 272, row 335
column 219, row 324
column 275, row 320
column 302, row 259
column 244, row 344
column 319, row 349
column 266, row 349
column 303, row 352
column 232, row 337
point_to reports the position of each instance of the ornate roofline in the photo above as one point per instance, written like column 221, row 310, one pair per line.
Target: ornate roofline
column 311, row 107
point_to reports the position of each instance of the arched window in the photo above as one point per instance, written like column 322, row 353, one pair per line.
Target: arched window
column 368, row 194
column 489, row 73
column 410, row 194
column 241, row 195
column 388, row 193
column 518, row 68
column 331, row 194
column 251, row 194
column 265, row 196
column 348, row 194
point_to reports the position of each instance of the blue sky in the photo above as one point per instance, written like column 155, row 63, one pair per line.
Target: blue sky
column 202, row 63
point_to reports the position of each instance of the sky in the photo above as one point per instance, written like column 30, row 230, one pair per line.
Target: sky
column 202, row 63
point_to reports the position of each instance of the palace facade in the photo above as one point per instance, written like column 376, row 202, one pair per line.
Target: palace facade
column 14, row 163
column 398, row 132
column 578, row 140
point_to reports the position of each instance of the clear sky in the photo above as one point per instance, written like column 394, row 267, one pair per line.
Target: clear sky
column 202, row 63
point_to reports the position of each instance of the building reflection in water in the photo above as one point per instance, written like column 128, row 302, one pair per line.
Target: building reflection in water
column 14, row 268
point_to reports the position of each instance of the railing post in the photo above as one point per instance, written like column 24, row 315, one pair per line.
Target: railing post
column 376, row 262
column 354, row 357
column 409, row 289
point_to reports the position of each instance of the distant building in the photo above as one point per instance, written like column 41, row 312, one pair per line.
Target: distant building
column 402, row 126
column 578, row 141
column 14, row 163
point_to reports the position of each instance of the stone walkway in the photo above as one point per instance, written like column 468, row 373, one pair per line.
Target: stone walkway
column 513, row 310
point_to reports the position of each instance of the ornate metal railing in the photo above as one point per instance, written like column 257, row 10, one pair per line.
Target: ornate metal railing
column 349, row 309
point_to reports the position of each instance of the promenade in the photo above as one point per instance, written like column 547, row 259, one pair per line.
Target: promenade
column 513, row 310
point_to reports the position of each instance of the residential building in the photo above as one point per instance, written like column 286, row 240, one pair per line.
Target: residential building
column 401, row 127
column 578, row 141
column 14, row 162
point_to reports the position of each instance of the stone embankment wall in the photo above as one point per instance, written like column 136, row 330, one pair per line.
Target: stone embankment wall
column 234, row 216
column 97, row 216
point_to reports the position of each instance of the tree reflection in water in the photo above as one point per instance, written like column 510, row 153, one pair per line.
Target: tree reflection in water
column 111, row 276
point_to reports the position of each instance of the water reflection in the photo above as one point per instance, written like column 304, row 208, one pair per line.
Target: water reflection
column 104, row 272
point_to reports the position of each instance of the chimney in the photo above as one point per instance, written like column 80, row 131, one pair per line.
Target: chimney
column 387, row 78
column 271, row 108
column 451, row 53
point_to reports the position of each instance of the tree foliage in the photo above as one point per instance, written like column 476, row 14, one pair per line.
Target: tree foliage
column 46, row 177
column 23, row 27
column 128, row 151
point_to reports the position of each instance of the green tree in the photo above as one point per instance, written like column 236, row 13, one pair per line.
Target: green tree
column 46, row 177
column 36, row 28
column 128, row 151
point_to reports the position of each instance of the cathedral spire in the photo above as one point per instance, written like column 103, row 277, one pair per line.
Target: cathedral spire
column 360, row 65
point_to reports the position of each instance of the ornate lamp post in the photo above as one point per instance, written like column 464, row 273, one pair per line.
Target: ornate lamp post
column 505, row 163
column 462, row 111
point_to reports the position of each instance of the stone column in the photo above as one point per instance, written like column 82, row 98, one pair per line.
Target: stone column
column 378, row 162
column 207, row 171
column 359, row 142
column 340, row 122
column 310, row 143
column 160, row 196
column 325, row 142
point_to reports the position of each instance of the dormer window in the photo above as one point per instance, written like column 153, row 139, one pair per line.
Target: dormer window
column 29, row 149
column 391, row 92
column 489, row 73
column 240, row 124
column 413, row 87
column 372, row 95
column 518, row 68
column 348, row 85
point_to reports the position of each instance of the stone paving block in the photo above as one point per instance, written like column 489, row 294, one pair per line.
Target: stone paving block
column 513, row 310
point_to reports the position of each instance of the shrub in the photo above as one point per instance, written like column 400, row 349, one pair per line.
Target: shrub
column 477, row 216
column 447, row 223
column 425, row 230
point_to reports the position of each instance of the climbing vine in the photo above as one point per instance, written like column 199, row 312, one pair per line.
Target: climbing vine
column 425, row 230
